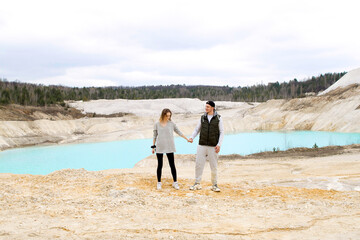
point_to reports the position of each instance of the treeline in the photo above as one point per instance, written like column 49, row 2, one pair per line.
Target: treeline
column 41, row 95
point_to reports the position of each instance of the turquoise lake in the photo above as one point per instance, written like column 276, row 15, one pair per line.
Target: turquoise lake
column 126, row 153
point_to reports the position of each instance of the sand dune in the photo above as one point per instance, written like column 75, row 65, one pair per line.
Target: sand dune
column 352, row 77
column 151, row 107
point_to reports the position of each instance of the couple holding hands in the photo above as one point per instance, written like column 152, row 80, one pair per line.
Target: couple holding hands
column 211, row 131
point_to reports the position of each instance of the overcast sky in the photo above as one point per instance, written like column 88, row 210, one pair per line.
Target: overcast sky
column 132, row 43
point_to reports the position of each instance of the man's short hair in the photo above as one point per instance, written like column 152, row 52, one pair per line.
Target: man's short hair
column 211, row 103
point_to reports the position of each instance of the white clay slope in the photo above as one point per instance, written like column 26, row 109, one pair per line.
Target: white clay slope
column 352, row 77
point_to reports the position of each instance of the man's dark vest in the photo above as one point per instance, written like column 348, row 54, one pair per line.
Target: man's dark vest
column 209, row 131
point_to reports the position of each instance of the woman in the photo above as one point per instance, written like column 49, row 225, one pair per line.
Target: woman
column 164, row 138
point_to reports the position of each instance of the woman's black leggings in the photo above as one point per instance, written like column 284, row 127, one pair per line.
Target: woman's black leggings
column 170, row 157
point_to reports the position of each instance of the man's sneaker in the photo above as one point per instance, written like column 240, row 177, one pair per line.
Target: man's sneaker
column 176, row 186
column 158, row 187
column 215, row 188
column 196, row 186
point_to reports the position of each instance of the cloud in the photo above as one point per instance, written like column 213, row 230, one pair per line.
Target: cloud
column 105, row 43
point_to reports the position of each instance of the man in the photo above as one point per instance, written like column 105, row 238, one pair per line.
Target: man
column 211, row 131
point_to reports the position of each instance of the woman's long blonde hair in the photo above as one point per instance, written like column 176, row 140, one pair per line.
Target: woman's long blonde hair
column 163, row 114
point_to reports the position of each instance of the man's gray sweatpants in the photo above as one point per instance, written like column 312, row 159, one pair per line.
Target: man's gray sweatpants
column 204, row 152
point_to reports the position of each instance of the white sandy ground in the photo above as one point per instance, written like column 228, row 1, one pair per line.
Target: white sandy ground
column 260, row 199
